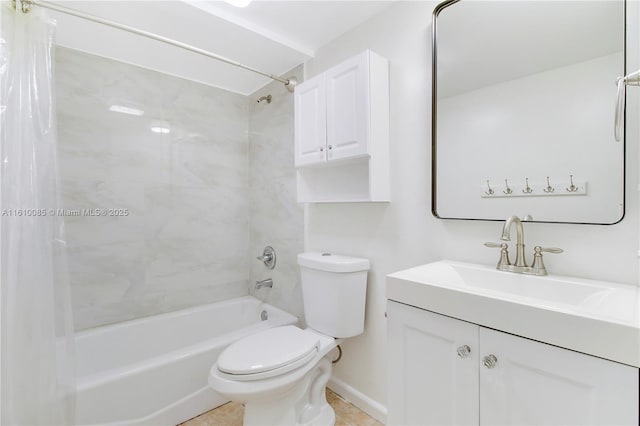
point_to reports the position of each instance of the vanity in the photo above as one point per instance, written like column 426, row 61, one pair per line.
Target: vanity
column 469, row 344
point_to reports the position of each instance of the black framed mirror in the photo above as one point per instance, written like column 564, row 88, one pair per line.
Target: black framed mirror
column 524, row 99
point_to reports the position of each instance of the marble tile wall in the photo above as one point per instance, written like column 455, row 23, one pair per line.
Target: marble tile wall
column 185, row 240
column 276, row 218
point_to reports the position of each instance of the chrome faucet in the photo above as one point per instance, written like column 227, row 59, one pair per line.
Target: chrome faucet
column 506, row 236
column 264, row 283
column 520, row 266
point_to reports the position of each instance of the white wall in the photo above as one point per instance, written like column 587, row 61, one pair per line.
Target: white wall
column 186, row 238
column 403, row 233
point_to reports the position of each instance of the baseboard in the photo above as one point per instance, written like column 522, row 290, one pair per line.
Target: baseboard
column 360, row 400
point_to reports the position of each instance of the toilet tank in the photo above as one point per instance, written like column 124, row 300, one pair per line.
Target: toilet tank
column 334, row 290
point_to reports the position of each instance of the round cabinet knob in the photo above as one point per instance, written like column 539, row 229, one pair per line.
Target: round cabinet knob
column 321, row 149
column 464, row 351
column 330, row 147
column 490, row 361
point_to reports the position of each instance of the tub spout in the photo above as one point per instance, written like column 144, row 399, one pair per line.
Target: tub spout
column 264, row 283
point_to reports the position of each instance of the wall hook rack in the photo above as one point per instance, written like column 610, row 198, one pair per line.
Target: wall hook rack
column 527, row 188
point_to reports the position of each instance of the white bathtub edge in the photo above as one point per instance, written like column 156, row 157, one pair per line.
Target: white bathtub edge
column 162, row 315
column 200, row 402
column 180, row 411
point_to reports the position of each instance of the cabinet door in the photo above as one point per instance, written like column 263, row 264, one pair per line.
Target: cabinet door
column 348, row 108
column 429, row 382
column 310, row 122
column 534, row 383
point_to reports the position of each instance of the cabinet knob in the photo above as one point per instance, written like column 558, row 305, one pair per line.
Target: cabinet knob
column 490, row 361
column 330, row 146
column 464, row 351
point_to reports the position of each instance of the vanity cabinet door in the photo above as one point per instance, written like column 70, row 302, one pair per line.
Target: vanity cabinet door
column 532, row 383
column 310, row 122
column 433, row 368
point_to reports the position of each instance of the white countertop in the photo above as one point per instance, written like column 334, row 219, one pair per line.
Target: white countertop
column 595, row 317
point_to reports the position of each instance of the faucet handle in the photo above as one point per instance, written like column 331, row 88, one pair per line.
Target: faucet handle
column 504, row 253
column 548, row 249
column 494, row 245
column 538, row 265
column 268, row 257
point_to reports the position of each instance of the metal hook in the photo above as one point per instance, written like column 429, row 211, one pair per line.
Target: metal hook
column 507, row 191
column 527, row 189
column 490, row 190
column 549, row 188
column 572, row 188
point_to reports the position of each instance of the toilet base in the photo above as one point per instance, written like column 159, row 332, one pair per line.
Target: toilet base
column 304, row 405
column 326, row 417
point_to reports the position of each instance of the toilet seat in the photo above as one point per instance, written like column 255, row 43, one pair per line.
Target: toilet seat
column 268, row 354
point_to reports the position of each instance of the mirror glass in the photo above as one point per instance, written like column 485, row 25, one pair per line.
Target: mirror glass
column 523, row 110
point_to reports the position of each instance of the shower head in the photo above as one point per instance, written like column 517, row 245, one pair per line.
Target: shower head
column 265, row 98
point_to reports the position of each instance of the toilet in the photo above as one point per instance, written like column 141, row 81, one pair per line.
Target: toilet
column 280, row 374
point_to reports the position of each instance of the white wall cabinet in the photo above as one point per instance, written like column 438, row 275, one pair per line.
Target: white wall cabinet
column 501, row 380
column 342, row 132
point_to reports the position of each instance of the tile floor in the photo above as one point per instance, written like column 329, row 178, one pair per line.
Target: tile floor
column 231, row 414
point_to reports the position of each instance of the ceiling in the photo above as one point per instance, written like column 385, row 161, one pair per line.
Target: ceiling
column 272, row 36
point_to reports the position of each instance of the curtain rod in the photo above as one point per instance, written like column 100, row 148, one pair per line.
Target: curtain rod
column 25, row 6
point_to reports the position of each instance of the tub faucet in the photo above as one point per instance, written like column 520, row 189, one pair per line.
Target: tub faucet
column 264, row 283
column 506, row 232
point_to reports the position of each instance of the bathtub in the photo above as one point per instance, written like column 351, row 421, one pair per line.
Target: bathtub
column 153, row 371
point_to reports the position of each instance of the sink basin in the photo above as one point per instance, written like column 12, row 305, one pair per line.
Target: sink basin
column 553, row 289
column 596, row 317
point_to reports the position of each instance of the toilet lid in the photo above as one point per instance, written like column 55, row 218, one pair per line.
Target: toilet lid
column 267, row 350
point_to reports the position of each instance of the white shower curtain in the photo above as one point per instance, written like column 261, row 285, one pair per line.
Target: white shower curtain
column 36, row 358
